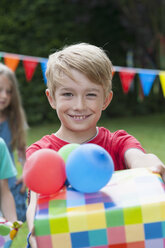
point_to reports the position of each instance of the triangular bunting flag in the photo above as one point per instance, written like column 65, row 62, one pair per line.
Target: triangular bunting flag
column 29, row 66
column 11, row 61
column 126, row 77
column 43, row 67
column 162, row 81
column 113, row 72
column 147, row 78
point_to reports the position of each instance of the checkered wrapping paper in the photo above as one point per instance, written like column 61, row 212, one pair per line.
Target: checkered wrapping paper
column 128, row 213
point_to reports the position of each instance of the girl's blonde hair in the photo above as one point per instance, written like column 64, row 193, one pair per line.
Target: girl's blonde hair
column 14, row 112
column 88, row 59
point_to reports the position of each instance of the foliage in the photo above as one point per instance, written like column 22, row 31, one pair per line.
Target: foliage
column 144, row 20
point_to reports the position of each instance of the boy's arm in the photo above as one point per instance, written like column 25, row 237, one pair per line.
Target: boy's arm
column 30, row 214
column 7, row 201
column 135, row 158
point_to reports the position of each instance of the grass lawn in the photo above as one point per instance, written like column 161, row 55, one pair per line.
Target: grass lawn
column 149, row 130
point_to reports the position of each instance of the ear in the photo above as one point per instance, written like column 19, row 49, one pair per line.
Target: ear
column 51, row 100
column 108, row 100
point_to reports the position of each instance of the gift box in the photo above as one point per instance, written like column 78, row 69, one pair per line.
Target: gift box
column 129, row 212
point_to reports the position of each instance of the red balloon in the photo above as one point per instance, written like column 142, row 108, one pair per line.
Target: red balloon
column 44, row 172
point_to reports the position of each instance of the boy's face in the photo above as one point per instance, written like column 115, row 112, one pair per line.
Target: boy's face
column 78, row 103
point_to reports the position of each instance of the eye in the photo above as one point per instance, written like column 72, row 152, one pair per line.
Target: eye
column 67, row 94
column 91, row 95
column 9, row 92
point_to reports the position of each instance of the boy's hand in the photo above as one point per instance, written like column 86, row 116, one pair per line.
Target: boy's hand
column 135, row 158
column 159, row 169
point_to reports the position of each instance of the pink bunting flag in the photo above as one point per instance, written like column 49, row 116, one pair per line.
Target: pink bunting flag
column 11, row 61
column 29, row 66
column 126, row 77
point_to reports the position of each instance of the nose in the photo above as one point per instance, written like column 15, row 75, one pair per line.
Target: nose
column 3, row 93
column 80, row 103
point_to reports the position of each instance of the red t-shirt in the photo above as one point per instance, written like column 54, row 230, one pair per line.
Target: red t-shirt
column 114, row 143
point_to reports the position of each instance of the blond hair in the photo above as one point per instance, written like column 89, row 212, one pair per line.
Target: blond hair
column 14, row 112
column 88, row 59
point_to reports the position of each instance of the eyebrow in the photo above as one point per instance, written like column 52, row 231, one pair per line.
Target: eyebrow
column 94, row 89
column 89, row 89
column 66, row 89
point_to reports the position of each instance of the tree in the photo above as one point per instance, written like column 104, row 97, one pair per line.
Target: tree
column 144, row 20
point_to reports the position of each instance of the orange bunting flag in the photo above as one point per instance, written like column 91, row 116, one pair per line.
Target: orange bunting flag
column 11, row 61
column 29, row 66
column 126, row 77
column 162, row 81
column 113, row 72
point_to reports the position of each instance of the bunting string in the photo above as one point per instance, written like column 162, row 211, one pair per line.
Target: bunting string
column 126, row 74
column 22, row 57
column 136, row 70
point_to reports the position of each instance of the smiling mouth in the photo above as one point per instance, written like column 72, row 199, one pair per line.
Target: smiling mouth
column 2, row 103
column 79, row 117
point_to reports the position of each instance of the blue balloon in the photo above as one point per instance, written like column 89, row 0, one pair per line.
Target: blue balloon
column 89, row 168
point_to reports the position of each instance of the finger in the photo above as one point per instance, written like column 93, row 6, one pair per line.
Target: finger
column 23, row 188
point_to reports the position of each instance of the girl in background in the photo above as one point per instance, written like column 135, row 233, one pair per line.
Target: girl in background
column 13, row 130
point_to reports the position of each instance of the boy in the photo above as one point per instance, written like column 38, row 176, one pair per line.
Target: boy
column 7, row 170
column 79, row 89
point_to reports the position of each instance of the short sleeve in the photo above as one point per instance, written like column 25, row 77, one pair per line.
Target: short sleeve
column 122, row 141
column 7, row 168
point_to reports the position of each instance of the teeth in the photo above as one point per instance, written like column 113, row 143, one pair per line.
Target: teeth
column 79, row 117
